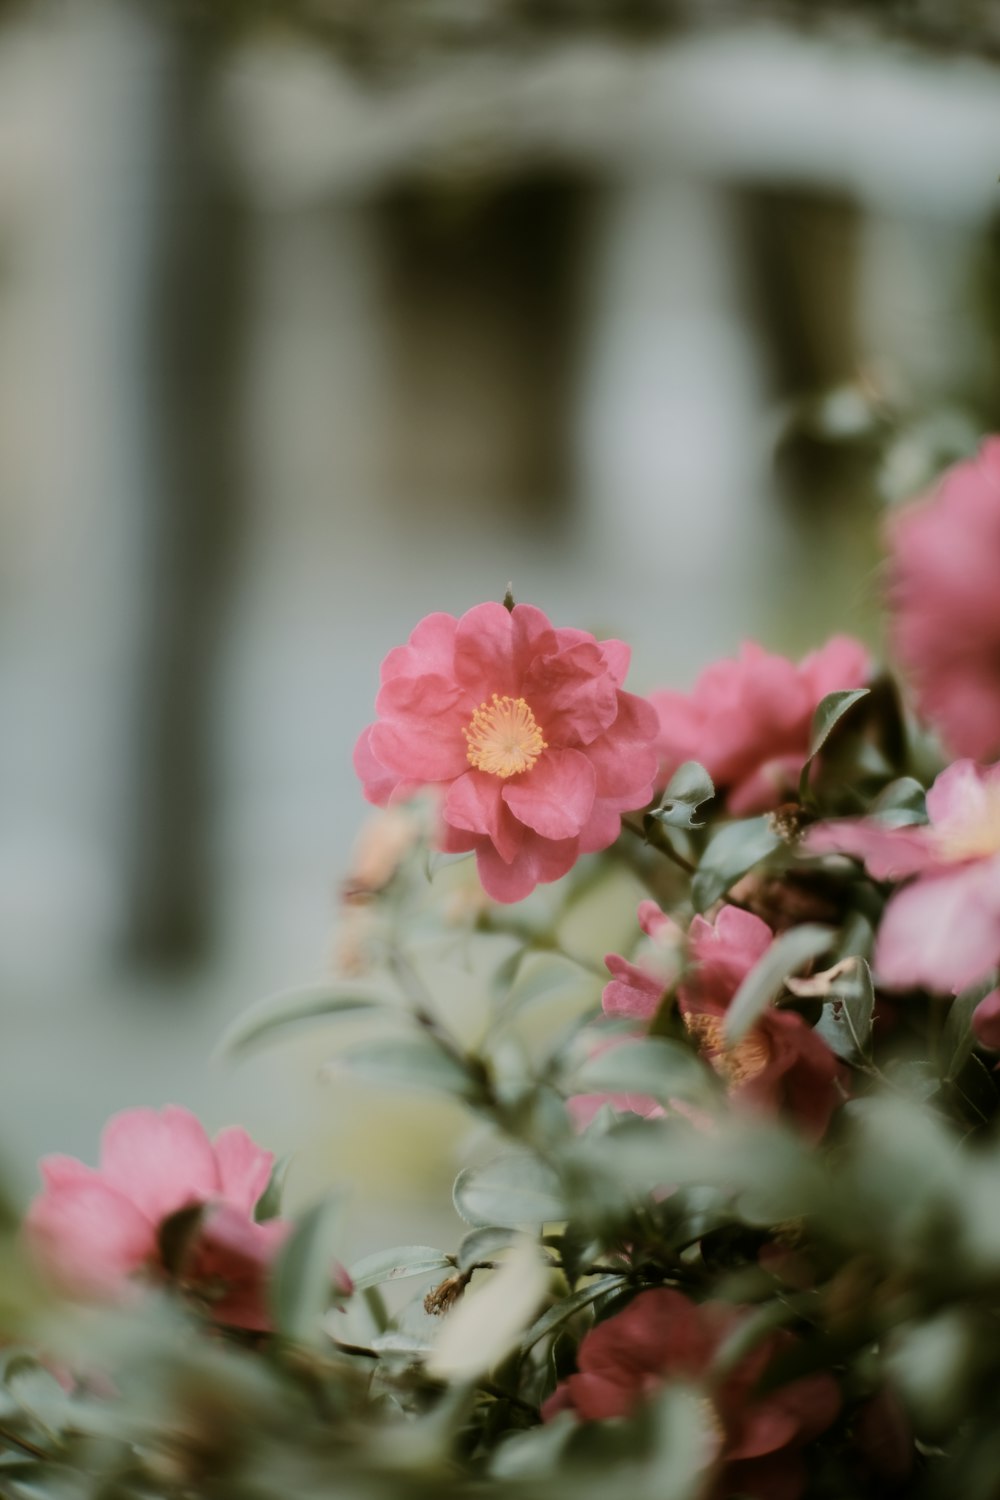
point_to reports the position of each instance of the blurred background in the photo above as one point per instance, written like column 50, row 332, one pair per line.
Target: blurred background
column 316, row 317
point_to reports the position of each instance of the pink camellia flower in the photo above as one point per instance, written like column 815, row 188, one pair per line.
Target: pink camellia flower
column 92, row 1231
column 781, row 1065
column 747, row 719
column 942, row 929
column 663, row 1336
column 525, row 731
column 945, row 604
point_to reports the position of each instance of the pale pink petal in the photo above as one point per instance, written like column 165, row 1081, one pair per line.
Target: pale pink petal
column 430, row 648
column 533, row 635
column 888, row 853
column 65, row 1171
column 618, row 656
column 244, row 1167
column 88, row 1238
column 425, row 697
column 841, row 664
column 231, row 1260
column 959, row 794
column 538, row 862
column 473, row 803
column 943, row 931
column 572, row 694
column 378, row 783
column 601, row 828
column 484, row 652
column 160, row 1160
column 556, row 796
column 436, row 751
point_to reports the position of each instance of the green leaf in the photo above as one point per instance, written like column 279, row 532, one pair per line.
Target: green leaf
column 414, row 1062
column 687, row 789
column 516, row 1191
column 302, row 1286
column 734, row 850
column 482, row 1330
column 957, row 1035
column 544, row 974
column 269, row 1202
column 901, row 803
column 848, row 1013
column 397, row 1264
column 829, row 712
column 767, row 977
column 482, row 1244
column 554, row 1317
column 307, row 1003
column 656, row 1066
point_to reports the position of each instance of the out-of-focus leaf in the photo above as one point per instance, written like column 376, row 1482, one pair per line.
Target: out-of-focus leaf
column 957, row 1035
column 397, row 1264
column 483, row 1244
column 544, row 974
column 316, row 1002
column 483, row 1328
column 534, row 1454
column 687, row 789
column 516, row 1191
column 829, row 712
column 734, row 850
column 846, row 1022
column 554, row 1317
column 415, row 1062
column 656, row 1066
column 767, row 977
column 269, row 1202
column 901, row 803
column 304, row 1273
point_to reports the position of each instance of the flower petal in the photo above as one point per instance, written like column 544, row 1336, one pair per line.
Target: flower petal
column 160, row 1160
column 474, row 803
column 88, row 1237
column 556, row 796
column 244, row 1167
column 942, row 931
column 484, row 652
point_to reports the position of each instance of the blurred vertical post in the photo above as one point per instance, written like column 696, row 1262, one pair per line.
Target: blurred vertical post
column 195, row 328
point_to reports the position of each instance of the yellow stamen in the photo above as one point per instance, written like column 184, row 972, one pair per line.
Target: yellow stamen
column 736, row 1064
column 974, row 837
column 503, row 737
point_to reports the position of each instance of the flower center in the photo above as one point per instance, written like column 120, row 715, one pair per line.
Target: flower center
column 503, row 737
column 973, row 837
column 736, row 1064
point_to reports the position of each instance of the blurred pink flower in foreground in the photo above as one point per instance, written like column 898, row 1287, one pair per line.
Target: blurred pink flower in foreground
column 747, row 719
column 781, row 1065
column 942, row 929
column 661, row 1336
column 526, row 732
column 92, row 1230
column 945, row 603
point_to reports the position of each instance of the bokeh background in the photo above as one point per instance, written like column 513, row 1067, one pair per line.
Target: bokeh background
column 317, row 317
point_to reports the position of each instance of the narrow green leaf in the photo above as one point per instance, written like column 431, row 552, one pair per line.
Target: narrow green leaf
column 829, row 712
column 412, row 1062
column 554, row 1317
column 269, row 1202
column 848, row 1010
column 767, row 977
column 656, row 1066
column 516, row 1191
column 302, row 1287
column 734, row 850
column 957, row 1036
column 687, row 789
column 307, row 1003
column 482, row 1244
column 397, row 1264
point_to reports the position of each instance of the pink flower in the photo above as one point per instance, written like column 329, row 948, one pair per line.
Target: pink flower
column 942, row 929
column 662, row 1336
column 747, row 719
column 525, row 731
column 781, row 1065
column 94, row 1230
column 945, row 603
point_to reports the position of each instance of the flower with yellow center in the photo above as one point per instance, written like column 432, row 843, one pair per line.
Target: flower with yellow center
column 503, row 737
column 736, row 1065
column 976, row 835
